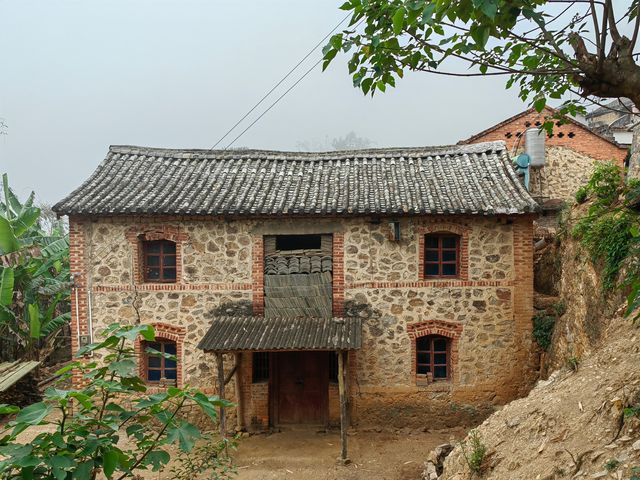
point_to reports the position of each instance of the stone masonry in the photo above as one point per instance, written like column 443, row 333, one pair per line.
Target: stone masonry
column 486, row 312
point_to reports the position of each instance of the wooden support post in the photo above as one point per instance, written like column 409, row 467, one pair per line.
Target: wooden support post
column 220, row 361
column 342, row 375
column 239, row 399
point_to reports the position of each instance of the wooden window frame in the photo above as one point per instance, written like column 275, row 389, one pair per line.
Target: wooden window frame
column 161, row 254
column 432, row 352
column 440, row 249
column 163, row 368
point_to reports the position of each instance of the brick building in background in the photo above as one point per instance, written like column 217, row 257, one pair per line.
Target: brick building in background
column 571, row 153
column 413, row 266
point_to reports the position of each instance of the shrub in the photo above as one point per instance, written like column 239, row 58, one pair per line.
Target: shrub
column 478, row 450
column 581, row 194
column 573, row 363
column 607, row 229
column 85, row 440
column 543, row 325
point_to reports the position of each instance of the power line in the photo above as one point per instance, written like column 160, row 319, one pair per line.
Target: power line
column 274, row 103
column 279, row 83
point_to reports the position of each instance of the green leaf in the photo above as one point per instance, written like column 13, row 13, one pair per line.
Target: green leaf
column 110, row 462
column 185, row 434
column 8, row 409
column 34, row 413
column 206, row 404
column 124, row 368
column 60, row 464
column 84, row 470
column 157, row 458
column 398, row 20
column 6, row 286
column 8, row 241
column 539, row 104
column 34, row 320
column 25, row 220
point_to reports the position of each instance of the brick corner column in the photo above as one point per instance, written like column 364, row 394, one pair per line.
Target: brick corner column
column 257, row 273
column 338, row 274
column 79, row 273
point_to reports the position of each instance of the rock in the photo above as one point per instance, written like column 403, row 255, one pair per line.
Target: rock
column 636, row 445
column 430, row 472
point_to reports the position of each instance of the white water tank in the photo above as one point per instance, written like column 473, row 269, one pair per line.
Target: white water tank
column 534, row 146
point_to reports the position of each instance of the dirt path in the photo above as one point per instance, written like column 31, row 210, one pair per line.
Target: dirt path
column 306, row 454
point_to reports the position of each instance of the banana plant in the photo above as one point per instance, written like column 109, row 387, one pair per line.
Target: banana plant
column 34, row 277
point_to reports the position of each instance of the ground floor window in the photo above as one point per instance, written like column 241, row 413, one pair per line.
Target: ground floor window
column 161, row 367
column 260, row 367
column 432, row 356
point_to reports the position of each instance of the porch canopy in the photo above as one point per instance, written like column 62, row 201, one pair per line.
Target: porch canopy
column 234, row 334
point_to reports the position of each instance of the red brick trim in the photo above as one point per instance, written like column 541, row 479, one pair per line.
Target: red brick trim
column 172, row 287
column 452, row 330
column 338, row 274
column 257, row 274
column 448, row 227
column 140, row 233
column 431, row 283
column 163, row 331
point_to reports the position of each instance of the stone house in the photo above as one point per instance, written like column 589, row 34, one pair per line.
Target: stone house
column 571, row 153
column 402, row 278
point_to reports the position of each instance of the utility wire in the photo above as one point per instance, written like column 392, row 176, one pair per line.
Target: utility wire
column 278, row 84
column 274, row 103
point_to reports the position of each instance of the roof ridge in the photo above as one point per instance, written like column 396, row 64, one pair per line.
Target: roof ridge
column 436, row 150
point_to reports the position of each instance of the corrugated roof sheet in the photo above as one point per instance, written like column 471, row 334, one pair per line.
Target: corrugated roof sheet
column 472, row 179
column 11, row 372
column 258, row 333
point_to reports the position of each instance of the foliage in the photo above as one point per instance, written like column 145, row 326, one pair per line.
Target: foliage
column 633, row 411
column 581, row 194
column 476, row 455
column 209, row 459
column 573, row 363
column 34, row 276
column 547, row 50
column 111, row 405
column 612, row 465
column 635, row 473
column 543, row 325
column 607, row 231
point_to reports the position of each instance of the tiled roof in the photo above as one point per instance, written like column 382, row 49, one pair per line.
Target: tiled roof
column 474, row 179
column 228, row 334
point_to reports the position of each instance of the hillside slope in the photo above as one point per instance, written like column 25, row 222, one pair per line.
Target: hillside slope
column 571, row 425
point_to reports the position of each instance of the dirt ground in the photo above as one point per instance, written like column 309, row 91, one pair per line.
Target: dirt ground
column 307, row 454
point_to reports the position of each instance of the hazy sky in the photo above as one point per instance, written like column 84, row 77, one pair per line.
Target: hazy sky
column 78, row 76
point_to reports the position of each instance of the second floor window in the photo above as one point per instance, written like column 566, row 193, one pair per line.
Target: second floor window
column 159, row 258
column 441, row 255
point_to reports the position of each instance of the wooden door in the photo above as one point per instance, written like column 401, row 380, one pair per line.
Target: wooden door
column 303, row 384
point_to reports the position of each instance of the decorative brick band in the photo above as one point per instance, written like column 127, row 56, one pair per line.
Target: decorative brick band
column 338, row 274
column 432, row 284
column 257, row 273
column 446, row 227
column 172, row 287
column 163, row 331
column 451, row 330
column 141, row 233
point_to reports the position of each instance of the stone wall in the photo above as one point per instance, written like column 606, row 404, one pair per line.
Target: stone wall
column 486, row 312
column 564, row 173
